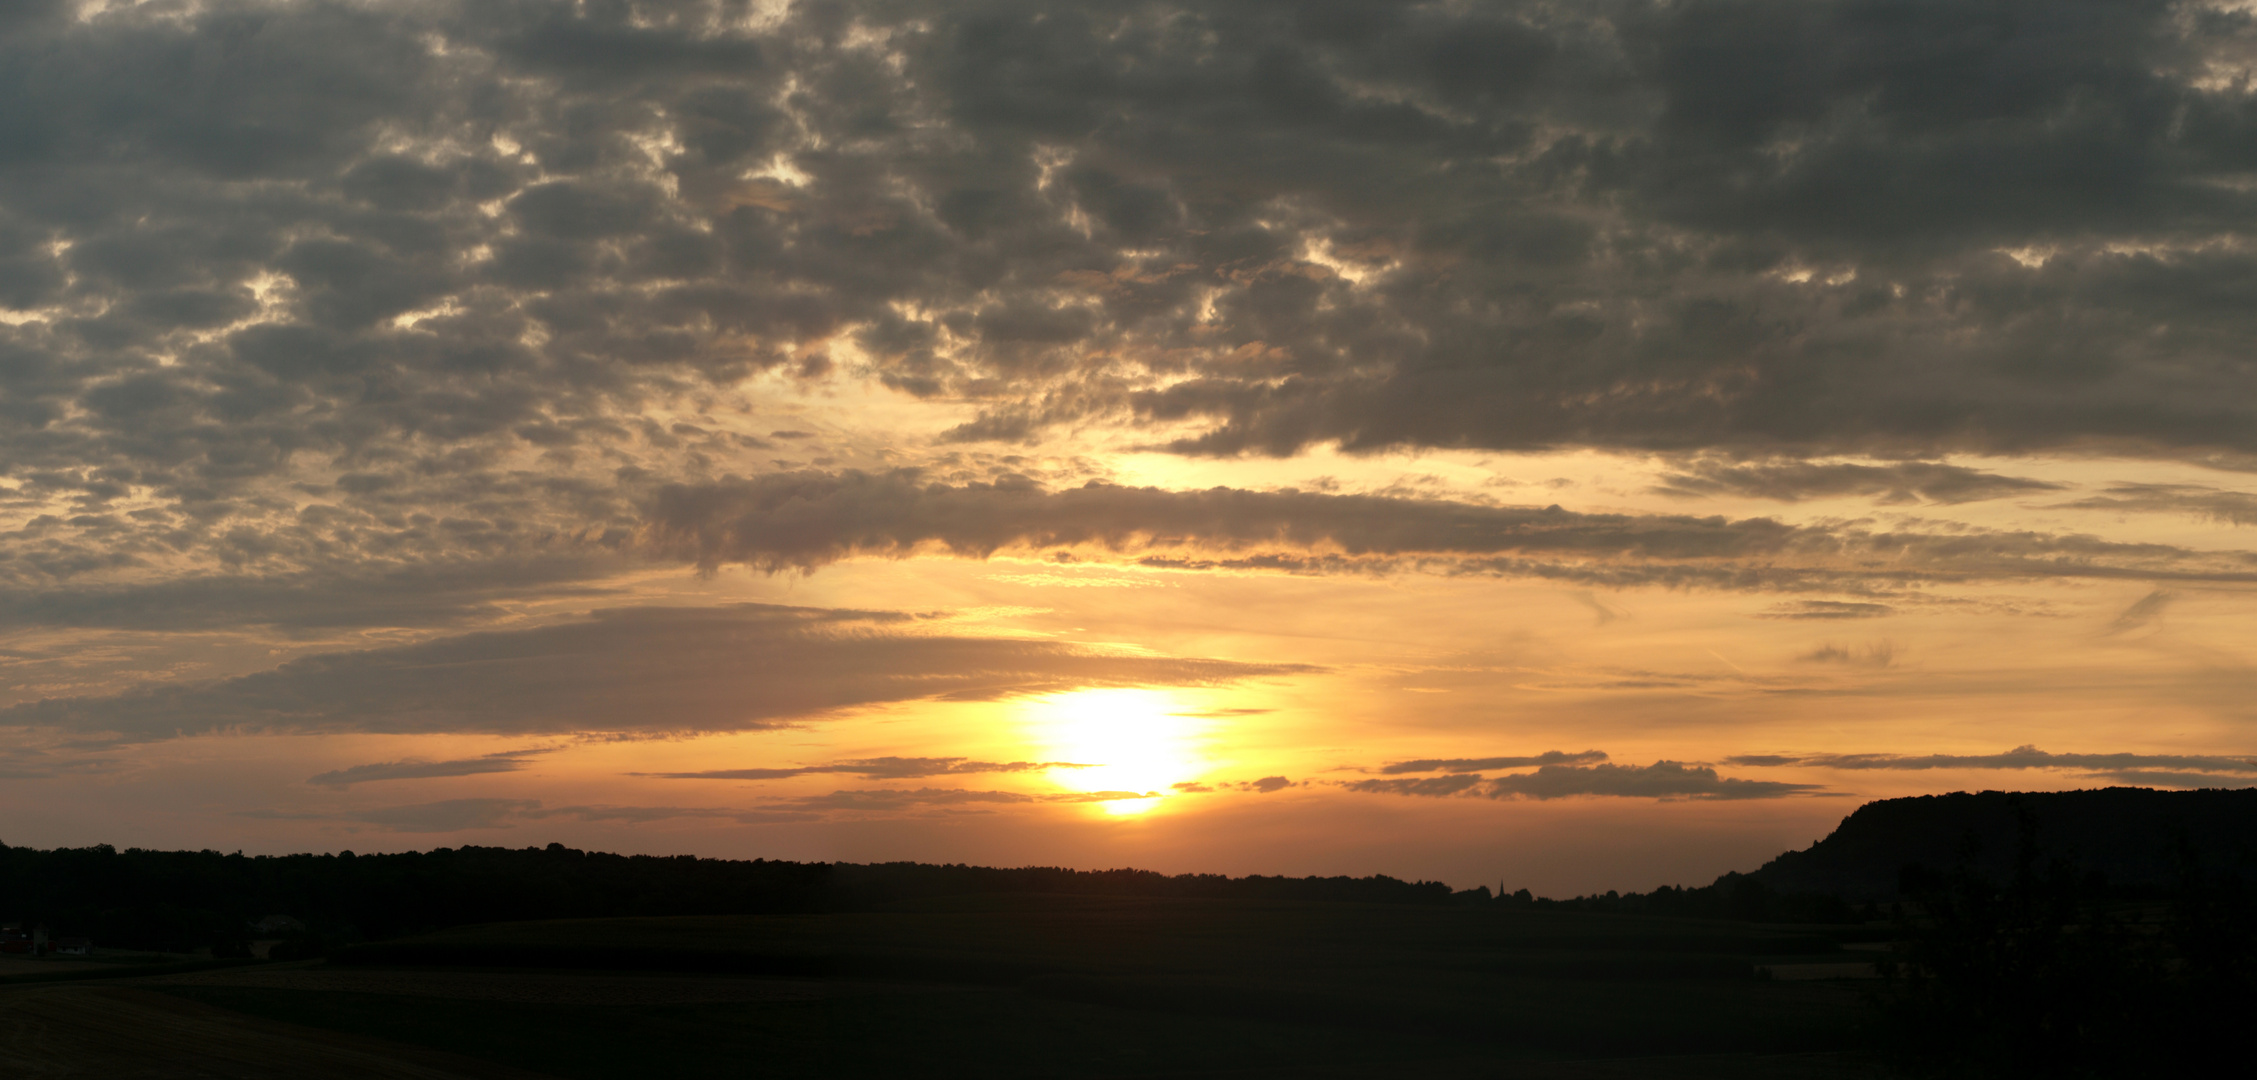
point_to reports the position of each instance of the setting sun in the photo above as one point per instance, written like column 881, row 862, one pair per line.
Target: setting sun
column 1130, row 741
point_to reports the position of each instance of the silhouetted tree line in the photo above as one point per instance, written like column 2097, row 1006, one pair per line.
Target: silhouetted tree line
column 1733, row 896
column 2055, row 973
column 185, row 900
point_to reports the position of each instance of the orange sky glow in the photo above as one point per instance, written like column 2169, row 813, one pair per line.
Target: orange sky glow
column 760, row 435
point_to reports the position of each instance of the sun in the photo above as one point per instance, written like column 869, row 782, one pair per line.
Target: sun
column 1134, row 742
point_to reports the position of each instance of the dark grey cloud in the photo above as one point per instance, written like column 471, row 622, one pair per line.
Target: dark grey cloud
column 2021, row 757
column 2193, row 500
column 1806, row 244
column 734, row 668
column 802, row 520
column 1828, row 609
column 296, row 286
column 1794, row 481
column 1660, row 780
column 806, row 519
column 415, row 769
column 879, row 768
column 1469, row 765
column 359, row 296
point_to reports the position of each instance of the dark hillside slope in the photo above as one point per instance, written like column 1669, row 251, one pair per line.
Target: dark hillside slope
column 2134, row 836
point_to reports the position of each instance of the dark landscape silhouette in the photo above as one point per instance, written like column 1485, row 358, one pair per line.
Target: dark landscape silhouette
column 2081, row 933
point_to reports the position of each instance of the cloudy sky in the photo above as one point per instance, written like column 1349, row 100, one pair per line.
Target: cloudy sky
column 1585, row 444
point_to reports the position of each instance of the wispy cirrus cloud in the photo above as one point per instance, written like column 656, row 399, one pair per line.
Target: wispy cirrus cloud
column 481, row 813
column 2193, row 500
column 446, row 815
column 1467, row 765
column 1828, row 609
column 1795, row 481
column 879, row 768
column 419, row 769
column 2021, row 757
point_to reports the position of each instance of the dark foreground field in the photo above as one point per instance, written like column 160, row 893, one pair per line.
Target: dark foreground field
column 1019, row 986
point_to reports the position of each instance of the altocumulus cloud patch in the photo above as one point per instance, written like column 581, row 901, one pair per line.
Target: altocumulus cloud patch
column 328, row 289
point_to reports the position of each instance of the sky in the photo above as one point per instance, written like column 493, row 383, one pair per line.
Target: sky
column 1567, row 445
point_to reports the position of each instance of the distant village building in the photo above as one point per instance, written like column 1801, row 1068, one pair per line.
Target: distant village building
column 16, row 940
column 73, row 946
column 278, row 924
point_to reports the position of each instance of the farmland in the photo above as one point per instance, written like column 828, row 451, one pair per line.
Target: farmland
column 1025, row 986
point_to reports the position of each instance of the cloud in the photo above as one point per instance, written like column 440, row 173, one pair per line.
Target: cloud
column 895, row 799
column 2143, row 611
column 369, row 318
column 1878, row 285
column 1601, row 611
column 803, row 520
column 1467, row 765
column 733, row 668
column 2169, row 779
column 1828, row 609
column 1795, row 481
column 879, row 768
column 451, row 815
column 421, row 595
column 2207, row 503
column 416, row 769
column 638, row 815
column 36, row 763
column 1660, row 780
column 2021, row 757
column 460, row 815
column 1879, row 654
column 807, row 519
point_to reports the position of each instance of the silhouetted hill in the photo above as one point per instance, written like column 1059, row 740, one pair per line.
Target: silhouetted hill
column 2133, row 836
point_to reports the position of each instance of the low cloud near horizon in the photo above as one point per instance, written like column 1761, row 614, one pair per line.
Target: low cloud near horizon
column 634, row 670
column 1660, row 780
